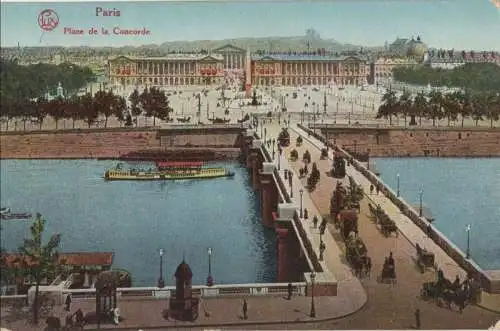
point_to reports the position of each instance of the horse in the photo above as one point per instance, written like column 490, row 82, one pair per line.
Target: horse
column 458, row 298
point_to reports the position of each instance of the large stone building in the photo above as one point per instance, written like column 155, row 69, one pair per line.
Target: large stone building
column 384, row 66
column 172, row 70
column 232, row 65
column 296, row 70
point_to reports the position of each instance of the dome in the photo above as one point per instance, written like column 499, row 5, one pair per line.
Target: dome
column 183, row 271
column 417, row 49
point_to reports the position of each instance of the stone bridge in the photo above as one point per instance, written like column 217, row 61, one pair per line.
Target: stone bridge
column 297, row 259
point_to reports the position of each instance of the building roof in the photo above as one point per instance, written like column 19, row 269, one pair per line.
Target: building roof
column 303, row 57
column 228, row 48
column 72, row 259
column 171, row 57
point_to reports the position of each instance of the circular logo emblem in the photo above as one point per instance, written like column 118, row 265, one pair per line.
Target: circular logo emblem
column 48, row 20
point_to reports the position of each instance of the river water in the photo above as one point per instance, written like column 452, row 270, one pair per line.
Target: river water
column 136, row 219
column 458, row 192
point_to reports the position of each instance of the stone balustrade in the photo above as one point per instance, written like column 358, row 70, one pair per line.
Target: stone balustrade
column 203, row 291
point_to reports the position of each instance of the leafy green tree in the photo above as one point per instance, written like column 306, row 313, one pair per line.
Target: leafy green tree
column 89, row 109
column 135, row 105
column 421, row 106
column 478, row 107
column 451, row 107
column 435, row 106
column 405, row 105
column 40, row 260
column 482, row 77
column 493, row 108
column 389, row 106
column 56, row 109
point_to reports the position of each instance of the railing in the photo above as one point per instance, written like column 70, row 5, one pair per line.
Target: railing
column 204, row 126
column 299, row 288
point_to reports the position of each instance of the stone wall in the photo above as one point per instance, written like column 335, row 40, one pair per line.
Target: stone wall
column 488, row 283
column 104, row 143
column 384, row 142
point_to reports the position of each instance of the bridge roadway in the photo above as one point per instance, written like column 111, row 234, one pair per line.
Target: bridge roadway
column 389, row 306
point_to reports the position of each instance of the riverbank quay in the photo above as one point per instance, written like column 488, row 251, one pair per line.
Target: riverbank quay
column 448, row 257
column 115, row 143
column 389, row 141
column 389, row 306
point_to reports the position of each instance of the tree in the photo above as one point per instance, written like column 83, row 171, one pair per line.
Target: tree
column 451, row 107
column 478, row 107
column 89, row 109
column 338, row 169
column 389, row 106
column 135, row 104
column 493, row 108
column 41, row 110
column 56, row 109
column 404, row 105
column 421, row 106
column 40, row 260
column 104, row 103
column 435, row 106
column 120, row 108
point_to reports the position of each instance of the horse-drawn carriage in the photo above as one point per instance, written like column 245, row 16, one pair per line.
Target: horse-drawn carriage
column 444, row 291
column 388, row 274
column 387, row 225
column 425, row 259
column 357, row 254
column 348, row 222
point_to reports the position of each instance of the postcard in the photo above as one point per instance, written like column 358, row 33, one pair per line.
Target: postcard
column 250, row 165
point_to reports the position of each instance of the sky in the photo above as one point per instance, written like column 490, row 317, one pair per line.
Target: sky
column 458, row 24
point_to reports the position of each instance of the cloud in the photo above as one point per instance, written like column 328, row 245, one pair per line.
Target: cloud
column 496, row 3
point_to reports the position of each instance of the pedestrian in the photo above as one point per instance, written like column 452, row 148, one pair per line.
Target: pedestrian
column 290, row 291
column 371, row 189
column 417, row 319
column 378, row 189
column 116, row 315
column 315, row 221
column 245, row 309
column 68, row 302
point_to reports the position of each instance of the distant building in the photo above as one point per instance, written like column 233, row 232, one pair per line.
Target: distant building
column 171, row 70
column 307, row 69
column 384, row 66
column 411, row 48
column 229, row 64
column 450, row 59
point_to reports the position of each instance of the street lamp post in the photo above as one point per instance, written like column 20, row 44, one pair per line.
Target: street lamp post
column 210, row 280
column 397, row 176
column 265, row 134
column 280, row 150
column 161, row 282
column 301, row 191
column 420, row 211
column 467, row 229
column 313, row 310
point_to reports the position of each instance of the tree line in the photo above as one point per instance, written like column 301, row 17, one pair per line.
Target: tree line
column 479, row 77
column 27, row 82
column 151, row 102
column 437, row 106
